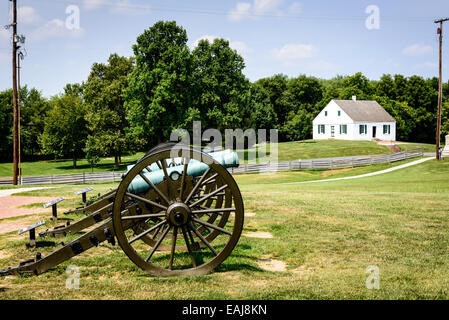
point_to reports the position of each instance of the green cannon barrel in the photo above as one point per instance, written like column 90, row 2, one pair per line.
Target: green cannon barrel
column 195, row 168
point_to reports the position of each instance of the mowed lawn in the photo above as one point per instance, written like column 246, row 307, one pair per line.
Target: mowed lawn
column 313, row 149
column 308, row 149
column 326, row 233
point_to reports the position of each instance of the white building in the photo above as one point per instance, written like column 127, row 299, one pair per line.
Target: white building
column 354, row 120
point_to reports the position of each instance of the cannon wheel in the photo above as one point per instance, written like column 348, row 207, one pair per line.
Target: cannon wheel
column 199, row 233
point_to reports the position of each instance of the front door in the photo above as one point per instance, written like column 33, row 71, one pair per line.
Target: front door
column 332, row 131
column 374, row 131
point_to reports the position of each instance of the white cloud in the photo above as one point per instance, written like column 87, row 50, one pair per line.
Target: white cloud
column 205, row 37
column 259, row 8
column 55, row 29
column 417, row 50
column 242, row 11
column 93, row 4
column 295, row 8
column 266, row 6
column 294, row 51
column 27, row 15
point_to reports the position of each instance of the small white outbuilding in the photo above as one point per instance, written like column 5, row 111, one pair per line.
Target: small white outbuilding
column 354, row 120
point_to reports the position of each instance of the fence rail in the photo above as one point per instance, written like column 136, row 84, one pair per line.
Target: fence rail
column 328, row 163
column 308, row 164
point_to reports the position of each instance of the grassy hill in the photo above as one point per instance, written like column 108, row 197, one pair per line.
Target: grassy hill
column 308, row 149
column 326, row 233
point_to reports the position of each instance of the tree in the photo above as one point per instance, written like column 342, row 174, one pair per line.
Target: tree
column 385, row 87
column 298, row 125
column 219, row 86
column 261, row 114
column 275, row 86
column 158, row 94
column 34, row 109
column 300, row 98
column 65, row 130
column 106, row 114
column 357, row 85
column 6, row 119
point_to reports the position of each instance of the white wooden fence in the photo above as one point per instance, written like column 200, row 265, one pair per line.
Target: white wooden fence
column 308, row 164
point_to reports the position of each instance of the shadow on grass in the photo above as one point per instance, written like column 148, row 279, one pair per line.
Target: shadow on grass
column 44, row 244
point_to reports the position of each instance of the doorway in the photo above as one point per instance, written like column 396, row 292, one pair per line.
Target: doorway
column 374, row 131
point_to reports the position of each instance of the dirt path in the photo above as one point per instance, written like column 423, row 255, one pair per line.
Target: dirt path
column 8, row 192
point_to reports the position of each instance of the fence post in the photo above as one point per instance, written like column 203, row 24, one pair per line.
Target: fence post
column 51, row 179
column 84, row 178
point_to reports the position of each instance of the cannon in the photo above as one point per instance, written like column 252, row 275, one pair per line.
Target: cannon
column 177, row 211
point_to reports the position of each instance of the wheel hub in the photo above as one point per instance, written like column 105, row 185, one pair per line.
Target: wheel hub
column 178, row 214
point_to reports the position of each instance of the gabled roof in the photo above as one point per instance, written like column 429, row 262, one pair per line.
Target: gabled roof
column 364, row 110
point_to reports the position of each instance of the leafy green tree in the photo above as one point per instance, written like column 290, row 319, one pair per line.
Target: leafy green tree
column 357, row 85
column 298, row 125
column 106, row 114
column 385, row 87
column 65, row 130
column 34, row 108
column 6, row 121
column 219, row 85
column 92, row 152
column 261, row 114
column 159, row 91
column 301, row 97
column 275, row 86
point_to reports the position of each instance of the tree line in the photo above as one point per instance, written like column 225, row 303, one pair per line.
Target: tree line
column 131, row 104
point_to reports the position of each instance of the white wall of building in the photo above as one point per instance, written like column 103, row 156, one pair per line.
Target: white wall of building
column 333, row 120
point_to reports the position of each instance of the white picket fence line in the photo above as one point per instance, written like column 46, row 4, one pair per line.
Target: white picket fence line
column 308, row 164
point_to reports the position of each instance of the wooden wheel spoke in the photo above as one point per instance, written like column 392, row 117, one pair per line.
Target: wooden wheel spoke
column 155, row 204
column 217, row 211
column 173, row 247
column 209, row 180
column 203, row 239
column 186, row 240
column 198, row 184
column 158, row 244
column 184, row 172
column 144, row 216
column 207, row 224
column 146, row 232
column 159, row 192
column 207, row 196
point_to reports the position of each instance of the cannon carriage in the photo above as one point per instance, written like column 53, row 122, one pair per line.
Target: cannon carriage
column 177, row 211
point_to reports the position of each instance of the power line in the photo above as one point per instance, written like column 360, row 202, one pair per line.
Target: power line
column 243, row 15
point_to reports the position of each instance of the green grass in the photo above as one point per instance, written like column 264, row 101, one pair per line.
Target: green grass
column 312, row 149
column 328, row 234
column 308, row 149
column 412, row 145
column 65, row 166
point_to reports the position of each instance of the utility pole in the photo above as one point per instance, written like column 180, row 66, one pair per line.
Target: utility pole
column 20, row 57
column 14, row 90
column 440, row 85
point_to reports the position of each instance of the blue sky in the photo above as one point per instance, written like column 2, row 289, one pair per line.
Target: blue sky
column 319, row 38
